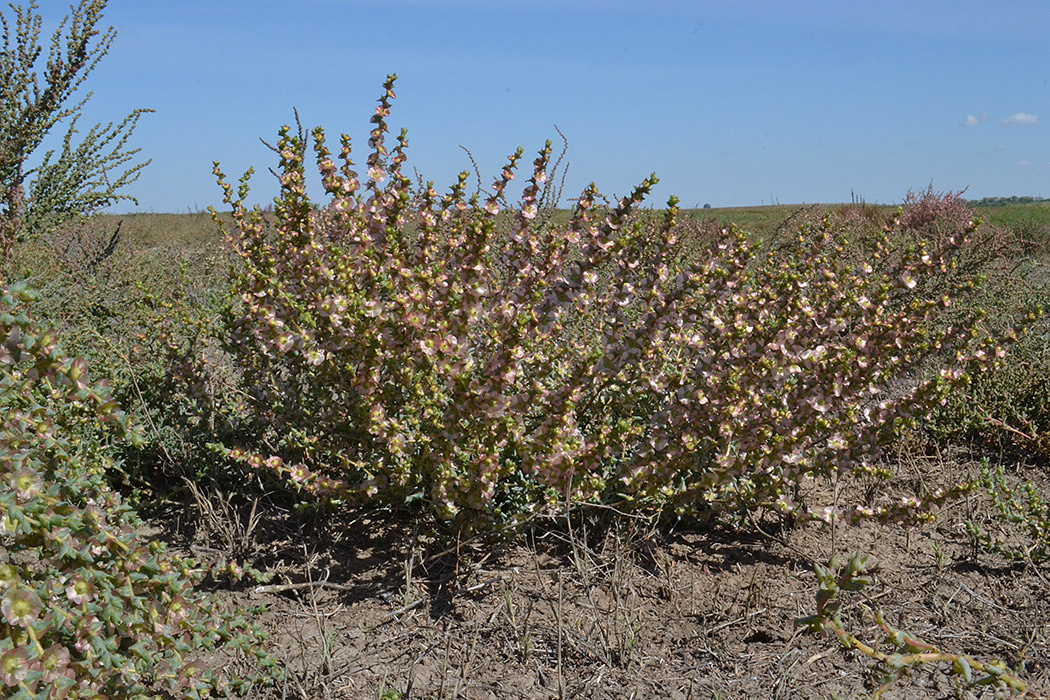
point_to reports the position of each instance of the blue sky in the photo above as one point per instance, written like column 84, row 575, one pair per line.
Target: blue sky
column 731, row 103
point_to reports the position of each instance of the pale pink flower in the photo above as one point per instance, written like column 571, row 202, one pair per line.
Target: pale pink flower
column 53, row 663
column 14, row 666
column 21, row 606
column 79, row 591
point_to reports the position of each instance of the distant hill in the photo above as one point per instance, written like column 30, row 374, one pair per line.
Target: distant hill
column 1003, row 201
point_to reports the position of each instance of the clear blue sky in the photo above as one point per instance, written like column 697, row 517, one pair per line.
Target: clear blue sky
column 729, row 102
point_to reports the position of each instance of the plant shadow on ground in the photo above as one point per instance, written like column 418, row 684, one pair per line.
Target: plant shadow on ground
column 374, row 605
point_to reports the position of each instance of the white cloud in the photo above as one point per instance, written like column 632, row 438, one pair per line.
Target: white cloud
column 1024, row 163
column 1021, row 119
column 974, row 121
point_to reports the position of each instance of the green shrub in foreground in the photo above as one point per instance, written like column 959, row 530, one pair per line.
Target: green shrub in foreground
column 88, row 607
column 404, row 345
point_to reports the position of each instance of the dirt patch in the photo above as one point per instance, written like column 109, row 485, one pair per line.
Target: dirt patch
column 367, row 609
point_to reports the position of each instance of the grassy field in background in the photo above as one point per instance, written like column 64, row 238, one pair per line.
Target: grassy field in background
column 1033, row 220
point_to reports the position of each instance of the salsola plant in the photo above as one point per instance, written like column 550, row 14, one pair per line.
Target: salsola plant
column 402, row 345
column 899, row 651
column 89, row 607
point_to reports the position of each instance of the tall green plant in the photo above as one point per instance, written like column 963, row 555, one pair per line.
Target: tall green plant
column 402, row 345
column 88, row 173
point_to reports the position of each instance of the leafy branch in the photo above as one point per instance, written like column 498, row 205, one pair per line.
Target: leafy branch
column 909, row 650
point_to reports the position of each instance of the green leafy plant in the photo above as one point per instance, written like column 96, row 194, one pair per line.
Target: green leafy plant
column 1022, row 509
column 88, row 174
column 93, row 282
column 1009, row 407
column 89, row 607
column 399, row 345
column 899, row 651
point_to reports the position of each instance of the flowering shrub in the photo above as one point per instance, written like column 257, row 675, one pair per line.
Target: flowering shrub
column 403, row 345
column 89, row 608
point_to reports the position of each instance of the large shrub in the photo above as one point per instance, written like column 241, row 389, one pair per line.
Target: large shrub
column 402, row 345
column 89, row 607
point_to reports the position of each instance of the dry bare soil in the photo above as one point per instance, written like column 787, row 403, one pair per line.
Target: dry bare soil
column 369, row 607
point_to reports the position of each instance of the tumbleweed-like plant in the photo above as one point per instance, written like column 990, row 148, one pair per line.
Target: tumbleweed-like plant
column 402, row 345
column 40, row 191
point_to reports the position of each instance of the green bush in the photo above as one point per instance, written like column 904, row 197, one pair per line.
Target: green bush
column 401, row 346
column 40, row 191
column 89, row 606
column 1010, row 405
